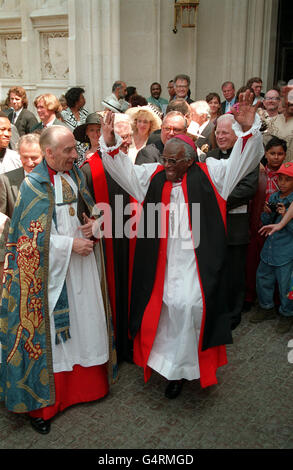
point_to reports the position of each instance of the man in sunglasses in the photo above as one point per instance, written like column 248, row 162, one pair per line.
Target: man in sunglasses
column 178, row 317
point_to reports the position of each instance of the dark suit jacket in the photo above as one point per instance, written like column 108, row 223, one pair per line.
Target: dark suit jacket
column 238, row 224
column 56, row 122
column 26, row 121
column 155, row 138
column 9, row 186
column 208, row 136
column 223, row 106
column 148, row 154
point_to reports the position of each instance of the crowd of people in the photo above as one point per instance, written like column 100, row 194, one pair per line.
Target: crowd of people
column 139, row 231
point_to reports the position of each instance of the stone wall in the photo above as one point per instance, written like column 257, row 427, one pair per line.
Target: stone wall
column 51, row 45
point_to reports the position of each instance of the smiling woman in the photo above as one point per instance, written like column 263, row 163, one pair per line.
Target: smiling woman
column 144, row 122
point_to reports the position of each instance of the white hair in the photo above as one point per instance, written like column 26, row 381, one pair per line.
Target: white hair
column 120, row 117
column 226, row 117
column 201, row 107
column 121, row 120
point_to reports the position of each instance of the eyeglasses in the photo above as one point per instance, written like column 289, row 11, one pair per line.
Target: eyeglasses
column 175, row 131
column 273, row 98
column 171, row 161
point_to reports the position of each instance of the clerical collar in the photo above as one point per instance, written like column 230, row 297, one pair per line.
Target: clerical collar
column 53, row 172
column 226, row 152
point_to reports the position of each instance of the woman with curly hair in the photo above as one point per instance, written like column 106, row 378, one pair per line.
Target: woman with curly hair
column 144, row 121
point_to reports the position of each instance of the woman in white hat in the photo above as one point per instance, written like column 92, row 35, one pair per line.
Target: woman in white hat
column 144, row 122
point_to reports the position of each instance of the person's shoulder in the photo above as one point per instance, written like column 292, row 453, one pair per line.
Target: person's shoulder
column 66, row 112
column 11, row 152
column 85, row 168
column 38, row 126
column 279, row 118
column 26, row 112
column 12, row 155
column 12, row 174
column 290, row 197
column 58, row 122
column 214, row 153
column 274, row 196
column 149, row 154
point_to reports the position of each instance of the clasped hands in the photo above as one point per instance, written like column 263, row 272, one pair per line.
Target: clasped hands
column 84, row 246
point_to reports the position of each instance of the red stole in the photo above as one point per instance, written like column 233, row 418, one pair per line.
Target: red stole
column 102, row 195
column 209, row 359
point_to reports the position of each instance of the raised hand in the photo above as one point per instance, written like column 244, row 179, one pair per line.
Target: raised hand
column 245, row 112
column 107, row 124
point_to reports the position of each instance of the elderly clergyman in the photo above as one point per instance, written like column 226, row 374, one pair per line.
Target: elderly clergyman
column 55, row 346
column 178, row 317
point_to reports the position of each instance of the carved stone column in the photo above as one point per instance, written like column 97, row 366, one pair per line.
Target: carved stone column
column 94, row 47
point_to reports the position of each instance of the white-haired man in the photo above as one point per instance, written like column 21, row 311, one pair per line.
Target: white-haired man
column 52, row 276
column 237, row 219
column 201, row 124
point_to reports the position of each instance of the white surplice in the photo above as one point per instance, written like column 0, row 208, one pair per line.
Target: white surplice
column 88, row 345
column 174, row 353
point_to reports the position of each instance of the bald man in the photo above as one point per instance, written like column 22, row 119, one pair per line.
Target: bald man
column 51, row 274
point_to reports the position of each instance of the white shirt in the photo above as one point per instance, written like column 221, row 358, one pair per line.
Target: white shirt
column 11, row 161
column 174, row 352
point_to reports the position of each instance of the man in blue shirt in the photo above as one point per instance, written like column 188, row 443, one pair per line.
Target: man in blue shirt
column 155, row 97
column 276, row 265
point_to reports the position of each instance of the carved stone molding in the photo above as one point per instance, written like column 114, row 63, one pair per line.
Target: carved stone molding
column 11, row 56
column 9, row 5
column 54, row 55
